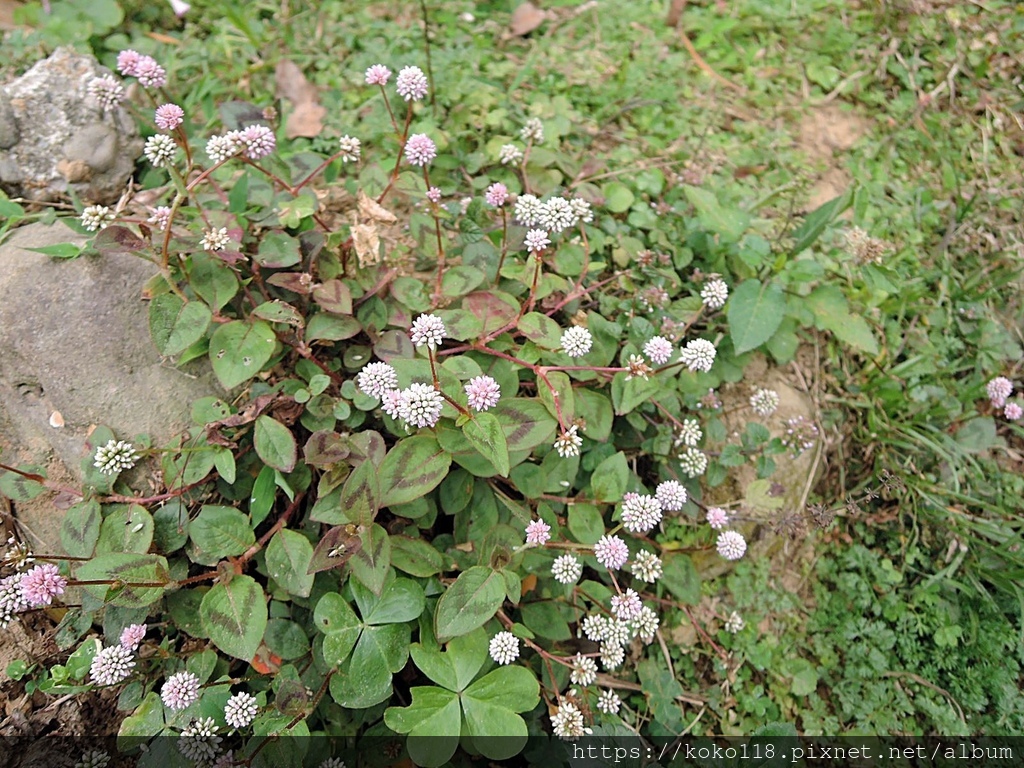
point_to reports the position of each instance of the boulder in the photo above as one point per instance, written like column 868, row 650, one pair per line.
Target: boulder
column 74, row 339
column 56, row 139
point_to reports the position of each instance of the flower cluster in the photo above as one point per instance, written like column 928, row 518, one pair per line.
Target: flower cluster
column 180, row 691
column 764, row 402
column 107, row 91
column 576, row 341
column 504, row 648
column 112, row 665
column 96, row 217
column 554, row 215
column 999, row 391
column 254, row 142
column 144, row 68
column 800, row 435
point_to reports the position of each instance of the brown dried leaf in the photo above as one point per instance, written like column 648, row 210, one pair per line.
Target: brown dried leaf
column 526, row 18
column 292, row 84
column 307, row 115
column 367, row 244
column 371, row 210
column 306, row 121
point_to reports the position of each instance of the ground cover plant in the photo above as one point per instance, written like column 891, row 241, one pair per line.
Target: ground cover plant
column 477, row 476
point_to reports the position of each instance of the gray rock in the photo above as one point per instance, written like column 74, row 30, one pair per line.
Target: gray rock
column 55, row 138
column 9, row 134
column 74, row 338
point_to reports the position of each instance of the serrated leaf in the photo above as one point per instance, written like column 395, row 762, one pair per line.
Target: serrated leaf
column 832, row 313
column 755, row 312
column 815, row 222
column 234, row 615
column 275, row 444
column 728, row 222
column 238, row 351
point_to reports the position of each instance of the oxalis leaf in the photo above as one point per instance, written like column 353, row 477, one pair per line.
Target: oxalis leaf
column 469, row 603
column 486, row 435
column 234, row 615
column 755, row 311
column 239, row 350
column 275, row 444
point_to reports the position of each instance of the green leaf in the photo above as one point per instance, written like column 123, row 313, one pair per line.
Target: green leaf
column 814, row 224
column 513, row 688
column 610, row 478
column 596, row 410
column 617, row 197
column 526, row 422
column 131, row 576
column 628, row 393
column 238, row 351
column 413, row 468
column 661, row 689
column 370, row 565
column 333, row 614
column 213, row 280
column 275, row 444
column 805, row 677
column 586, row 523
column 728, row 222
column 126, row 528
column 221, row 531
column 278, row 250
column 81, row 528
column 681, row 577
column 485, row 433
column 288, row 556
column 234, row 615
column 832, row 313
column 365, row 679
column 327, row 327
column 415, row 557
column 566, row 395
column 469, row 603
column 433, row 722
column 755, row 312
column 264, row 491
column 545, row 620
column 541, row 330
column 401, row 600
column 759, row 494
column 455, row 668
column 335, row 297
column 360, row 496
column 176, row 325
column 59, row 251
column 279, row 312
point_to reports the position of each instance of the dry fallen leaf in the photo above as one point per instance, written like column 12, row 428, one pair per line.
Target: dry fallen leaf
column 367, row 244
column 526, row 18
column 372, row 210
column 306, row 118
